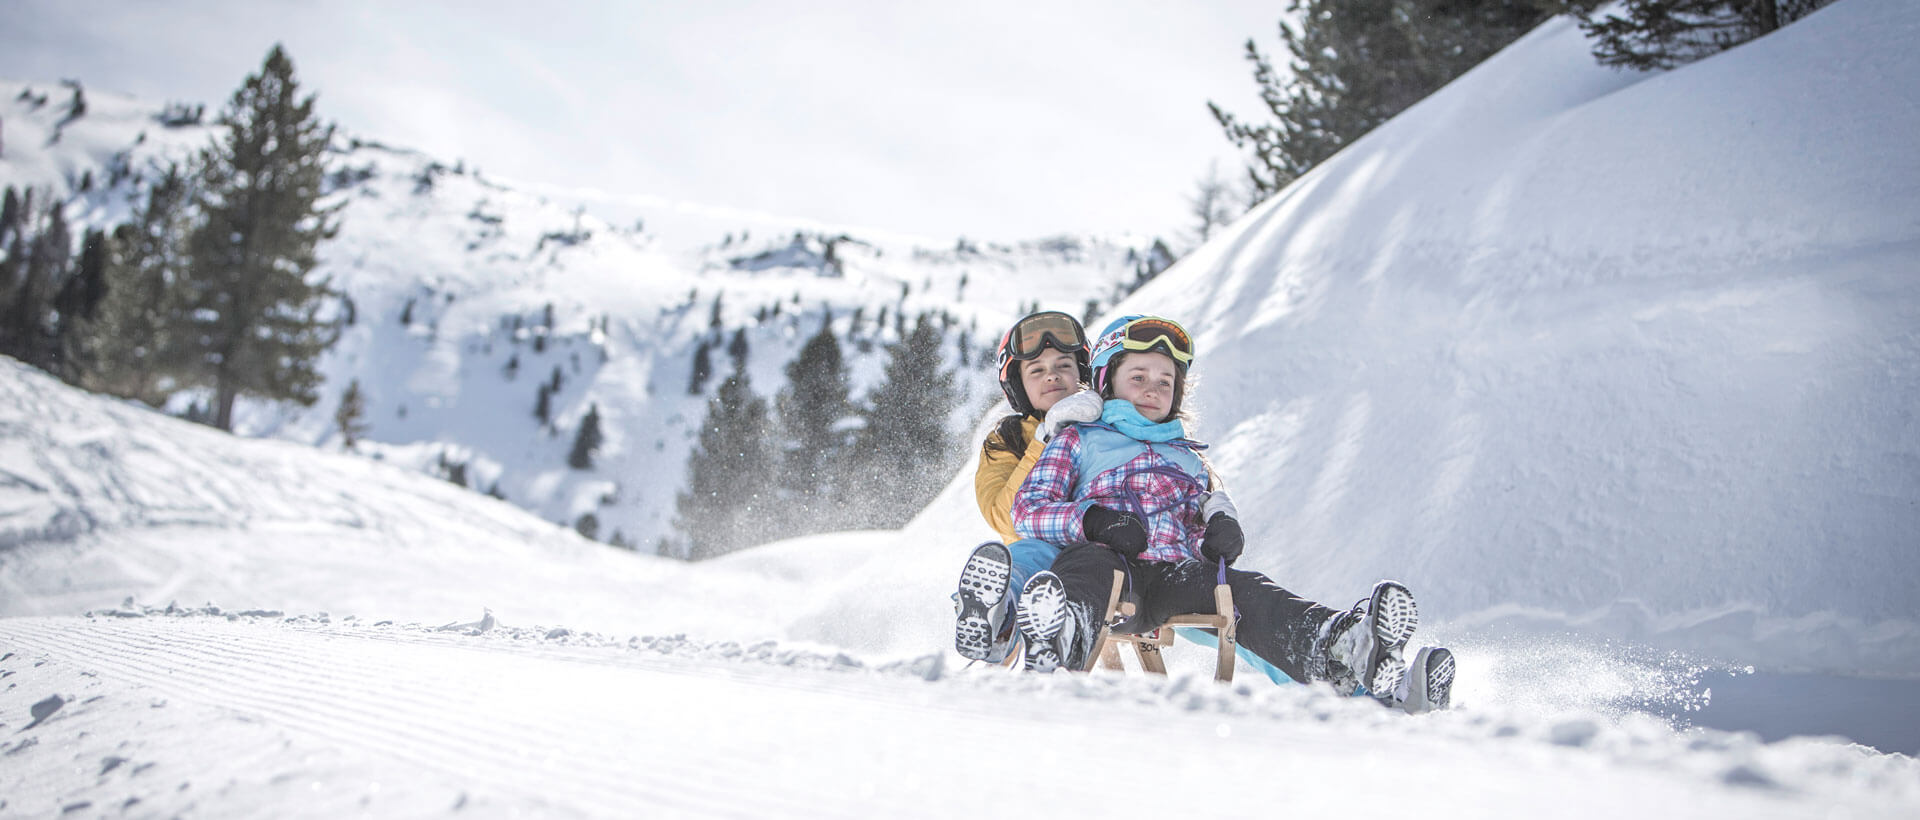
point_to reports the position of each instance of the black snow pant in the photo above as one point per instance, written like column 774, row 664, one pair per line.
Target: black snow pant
column 1275, row 624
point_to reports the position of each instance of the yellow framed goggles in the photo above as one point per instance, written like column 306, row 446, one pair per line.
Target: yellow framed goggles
column 1154, row 334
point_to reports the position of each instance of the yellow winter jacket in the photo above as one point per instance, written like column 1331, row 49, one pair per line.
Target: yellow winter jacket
column 1000, row 475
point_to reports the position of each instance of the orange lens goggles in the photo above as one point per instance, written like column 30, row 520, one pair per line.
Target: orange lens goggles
column 1154, row 333
column 1041, row 330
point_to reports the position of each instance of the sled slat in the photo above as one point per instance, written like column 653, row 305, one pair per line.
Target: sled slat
column 1147, row 645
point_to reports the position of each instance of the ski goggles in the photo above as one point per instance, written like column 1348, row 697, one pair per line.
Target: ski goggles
column 1154, row 334
column 1042, row 330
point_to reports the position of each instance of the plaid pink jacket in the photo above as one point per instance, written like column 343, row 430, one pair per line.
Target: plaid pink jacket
column 1157, row 483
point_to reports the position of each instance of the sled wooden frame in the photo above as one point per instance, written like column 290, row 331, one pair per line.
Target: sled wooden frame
column 1147, row 645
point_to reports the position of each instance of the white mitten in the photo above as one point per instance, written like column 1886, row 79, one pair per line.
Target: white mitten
column 1083, row 406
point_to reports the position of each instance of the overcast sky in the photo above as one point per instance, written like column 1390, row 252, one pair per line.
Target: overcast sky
column 986, row 119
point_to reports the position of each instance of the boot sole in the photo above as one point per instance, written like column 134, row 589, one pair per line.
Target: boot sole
column 1043, row 611
column 1395, row 617
column 1440, row 679
column 983, row 587
column 1433, row 668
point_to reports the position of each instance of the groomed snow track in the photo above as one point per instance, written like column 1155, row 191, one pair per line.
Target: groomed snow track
column 421, row 721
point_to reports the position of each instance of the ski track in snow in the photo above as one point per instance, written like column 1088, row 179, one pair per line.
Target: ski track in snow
column 516, row 721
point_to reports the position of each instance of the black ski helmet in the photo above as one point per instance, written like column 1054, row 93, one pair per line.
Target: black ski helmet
column 1032, row 334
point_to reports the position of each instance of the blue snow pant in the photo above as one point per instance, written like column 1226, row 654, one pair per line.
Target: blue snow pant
column 1031, row 555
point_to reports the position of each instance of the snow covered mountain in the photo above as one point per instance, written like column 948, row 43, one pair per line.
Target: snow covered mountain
column 1633, row 419
column 467, row 296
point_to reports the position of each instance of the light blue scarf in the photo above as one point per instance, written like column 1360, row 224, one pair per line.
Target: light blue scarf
column 1124, row 417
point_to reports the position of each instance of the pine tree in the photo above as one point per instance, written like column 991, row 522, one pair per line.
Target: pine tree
column 455, row 472
column 729, row 495
column 11, row 215
column 254, row 317
column 1354, row 65
column 351, row 418
column 13, row 265
column 902, row 454
column 811, row 408
column 1149, row 266
column 137, row 353
column 702, row 370
column 77, row 306
column 588, row 525
column 40, row 260
column 738, row 349
column 587, row 441
column 1658, row 34
column 77, row 107
column 1210, row 205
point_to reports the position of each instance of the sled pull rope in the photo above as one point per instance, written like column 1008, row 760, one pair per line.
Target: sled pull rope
column 1223, row 582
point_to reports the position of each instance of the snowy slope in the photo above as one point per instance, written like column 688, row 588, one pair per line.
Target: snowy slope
column 103, row 500
column 1678, row 415
column 1647, row 401
column 1570, row 347
column 382, row 642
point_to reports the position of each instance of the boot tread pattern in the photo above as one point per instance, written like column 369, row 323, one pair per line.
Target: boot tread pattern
column 1440, row 680
column 1387, row 675
column 983, row 585
column 1043, row 611
column 1395, row 616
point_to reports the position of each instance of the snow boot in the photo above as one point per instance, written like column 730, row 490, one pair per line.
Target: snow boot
column 1361, row 647
column 1046, row 628
column 980, row 628
column 1428, row 684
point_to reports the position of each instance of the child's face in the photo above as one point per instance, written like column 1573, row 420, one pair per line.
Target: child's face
column 1146, row 379
column 1048, row 378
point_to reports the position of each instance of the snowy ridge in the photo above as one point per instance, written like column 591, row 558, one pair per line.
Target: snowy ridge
column 467, row 294
column 104, row 500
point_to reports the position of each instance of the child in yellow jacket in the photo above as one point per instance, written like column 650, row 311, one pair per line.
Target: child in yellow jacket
column 1043, row 370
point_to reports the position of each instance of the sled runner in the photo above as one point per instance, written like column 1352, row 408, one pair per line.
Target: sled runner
column 1147, row 645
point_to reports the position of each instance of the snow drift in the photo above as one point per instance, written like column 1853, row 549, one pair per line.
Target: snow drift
column 1635, row 354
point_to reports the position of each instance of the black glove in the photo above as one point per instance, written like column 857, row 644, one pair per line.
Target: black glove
column 1121, row 531
column 1224, row 540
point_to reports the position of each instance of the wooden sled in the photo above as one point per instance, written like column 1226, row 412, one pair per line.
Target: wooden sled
column 1147, row 645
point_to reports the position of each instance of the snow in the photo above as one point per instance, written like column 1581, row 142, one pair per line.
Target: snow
column 1570, row 363
column 1634, row 421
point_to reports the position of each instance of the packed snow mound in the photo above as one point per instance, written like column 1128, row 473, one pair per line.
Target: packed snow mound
column 103, row 500
column 1560, row 345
